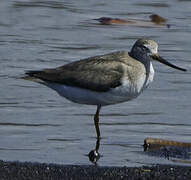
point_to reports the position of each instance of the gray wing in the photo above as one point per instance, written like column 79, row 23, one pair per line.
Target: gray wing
column 99, row 73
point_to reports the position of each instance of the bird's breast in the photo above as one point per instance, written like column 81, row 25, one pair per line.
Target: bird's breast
column 150, row 76
column 134, row 81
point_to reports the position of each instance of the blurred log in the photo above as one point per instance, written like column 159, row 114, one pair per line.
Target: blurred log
column 156, row 143
column 109, row 21
column 155, row 21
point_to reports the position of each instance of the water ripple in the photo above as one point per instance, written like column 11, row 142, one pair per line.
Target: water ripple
column 29, row 125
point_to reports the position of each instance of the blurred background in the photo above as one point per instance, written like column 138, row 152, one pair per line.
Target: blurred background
column 37, row 125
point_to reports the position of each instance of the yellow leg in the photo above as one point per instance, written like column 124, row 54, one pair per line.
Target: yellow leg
column 96, row 122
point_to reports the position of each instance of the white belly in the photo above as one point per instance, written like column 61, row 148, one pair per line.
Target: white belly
column 84, row 96
column 125, row 92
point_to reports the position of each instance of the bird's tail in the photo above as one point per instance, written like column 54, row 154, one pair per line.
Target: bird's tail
column 32, row 73
column 32, row 76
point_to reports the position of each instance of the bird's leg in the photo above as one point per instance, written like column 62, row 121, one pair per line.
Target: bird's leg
column 96, row 122
column 97, row 145
column 94, row 155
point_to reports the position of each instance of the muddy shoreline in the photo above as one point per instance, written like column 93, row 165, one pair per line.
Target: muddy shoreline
column 30, row 171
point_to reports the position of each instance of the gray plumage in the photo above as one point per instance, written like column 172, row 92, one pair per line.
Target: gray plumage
column 99, row 73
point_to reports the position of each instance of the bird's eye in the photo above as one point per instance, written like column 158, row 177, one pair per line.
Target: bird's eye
column 146, row 49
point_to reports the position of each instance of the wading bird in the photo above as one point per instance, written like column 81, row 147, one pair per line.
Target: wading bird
column 105, row 79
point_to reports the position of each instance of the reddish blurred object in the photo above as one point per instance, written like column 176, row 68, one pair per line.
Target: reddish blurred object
column 109, row 21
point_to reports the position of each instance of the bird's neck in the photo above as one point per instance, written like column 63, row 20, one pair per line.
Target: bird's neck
column 142, row 57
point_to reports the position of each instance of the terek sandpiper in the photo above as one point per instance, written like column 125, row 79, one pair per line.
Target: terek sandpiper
column 106, row 79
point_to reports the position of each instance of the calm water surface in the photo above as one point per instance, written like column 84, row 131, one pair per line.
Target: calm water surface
column 36, row 124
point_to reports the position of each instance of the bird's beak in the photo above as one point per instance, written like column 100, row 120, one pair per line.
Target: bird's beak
column 163, row 61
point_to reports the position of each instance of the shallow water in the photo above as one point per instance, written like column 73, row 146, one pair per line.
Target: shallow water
column 36, row 124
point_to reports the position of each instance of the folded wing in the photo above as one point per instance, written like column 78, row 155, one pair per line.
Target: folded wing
column 100, row 73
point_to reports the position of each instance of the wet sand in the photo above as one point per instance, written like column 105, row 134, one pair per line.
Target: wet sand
column 29, row 171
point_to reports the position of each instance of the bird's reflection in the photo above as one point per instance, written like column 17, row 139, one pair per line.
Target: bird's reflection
column 94, row 155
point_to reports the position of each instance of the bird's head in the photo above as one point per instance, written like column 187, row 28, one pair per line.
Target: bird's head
column 149, row 47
